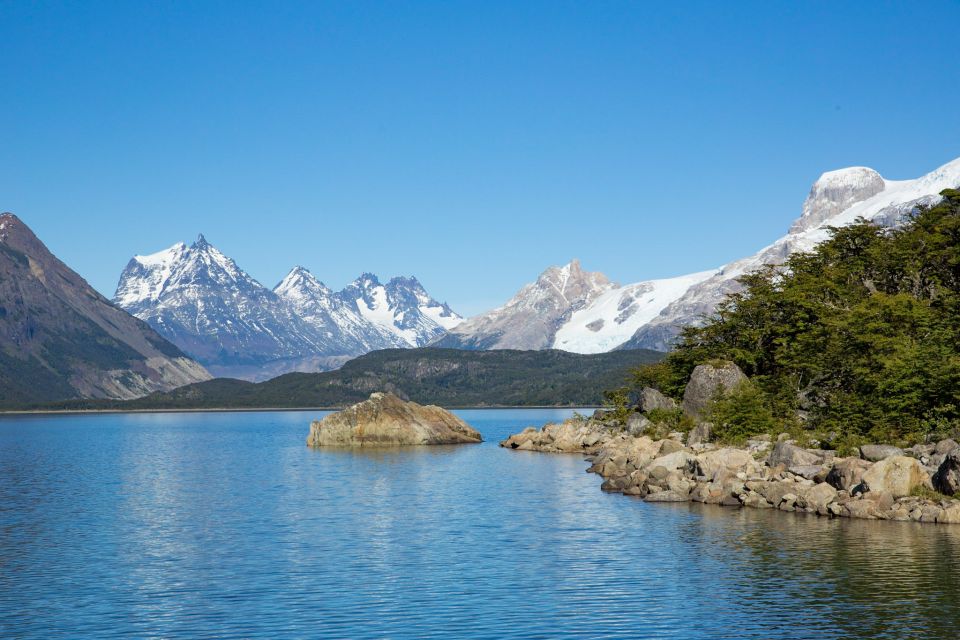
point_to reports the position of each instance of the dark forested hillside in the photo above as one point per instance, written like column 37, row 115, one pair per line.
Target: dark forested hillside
column 859, row 339
column 447, row 377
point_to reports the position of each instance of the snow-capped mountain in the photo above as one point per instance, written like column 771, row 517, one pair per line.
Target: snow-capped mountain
column 836, row 199
column 595, row 315
column 199, row 299
column 367, row 315
column 401, row 307
column 531, row 319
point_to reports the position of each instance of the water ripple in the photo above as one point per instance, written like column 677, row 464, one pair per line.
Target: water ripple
column 227, row 526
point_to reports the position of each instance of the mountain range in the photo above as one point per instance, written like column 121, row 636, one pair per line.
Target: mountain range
column 200, row 300
column 575, row 310
column 197, row 312
column 60, row 339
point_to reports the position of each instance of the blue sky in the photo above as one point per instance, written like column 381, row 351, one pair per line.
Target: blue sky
column 471, row 144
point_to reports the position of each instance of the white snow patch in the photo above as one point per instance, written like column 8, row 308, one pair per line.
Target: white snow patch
column 615, row 316
column 436, row 312
column 381, row 314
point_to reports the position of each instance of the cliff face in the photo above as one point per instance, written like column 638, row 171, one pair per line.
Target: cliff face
column 386, row 420
column 61, row 339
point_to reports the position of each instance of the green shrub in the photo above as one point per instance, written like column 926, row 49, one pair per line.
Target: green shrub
column 739, row 414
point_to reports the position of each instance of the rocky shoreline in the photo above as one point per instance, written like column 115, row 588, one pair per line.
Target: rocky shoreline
column 766, row 474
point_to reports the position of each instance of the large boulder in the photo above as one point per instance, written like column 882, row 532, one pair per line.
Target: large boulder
column 818, row 497
column 386, row 420
column 728, row 460
column 847, row 473
column 790, row 455
column 878, row 452
column 651, row 399
column 638, row 424
column 946, row 446
column 897, row 475
column 947, row 478
column 706, row 381
column 676, row 461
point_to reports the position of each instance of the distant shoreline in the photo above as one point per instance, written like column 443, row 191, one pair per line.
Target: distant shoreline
column 46, row 412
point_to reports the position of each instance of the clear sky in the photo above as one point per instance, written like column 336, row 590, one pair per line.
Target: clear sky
column 471, row 144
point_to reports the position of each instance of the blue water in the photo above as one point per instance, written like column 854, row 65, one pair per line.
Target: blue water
column 225, row 525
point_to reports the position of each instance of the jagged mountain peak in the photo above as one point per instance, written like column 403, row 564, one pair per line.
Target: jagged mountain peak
column 409, row 282
column 572, row 283
column 531, row 318
column 201, row 300
column 366, row 280
column 834, row 192
column 300, row 279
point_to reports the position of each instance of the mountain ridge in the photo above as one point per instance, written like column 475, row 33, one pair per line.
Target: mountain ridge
column 651, row 313
column 59, row 338
column 201, row 300
column 447, row 377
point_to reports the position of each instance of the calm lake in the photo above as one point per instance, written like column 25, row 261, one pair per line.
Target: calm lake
column 226, row 525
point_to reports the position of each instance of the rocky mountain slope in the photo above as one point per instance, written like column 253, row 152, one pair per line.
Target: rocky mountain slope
column 531, row 318
column 570, row 309
column 200, row 300
column 61, row 339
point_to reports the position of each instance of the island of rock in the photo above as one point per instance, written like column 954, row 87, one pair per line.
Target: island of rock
column 386, row 420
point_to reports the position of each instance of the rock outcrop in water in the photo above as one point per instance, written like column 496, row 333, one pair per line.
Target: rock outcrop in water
column 764, row 474
column 386, row 420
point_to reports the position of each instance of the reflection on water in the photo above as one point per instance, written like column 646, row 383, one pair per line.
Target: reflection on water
column 227, row 525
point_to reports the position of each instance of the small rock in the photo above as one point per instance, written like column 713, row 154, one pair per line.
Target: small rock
column 699, row 434
column 878, row 452
column 863, row 509
column 806, row 471
column 666, row 496
column 946, row 446
column 950, row 515
column 847, row 473
column 669, row 446
column 947, row 478
column 637, row 424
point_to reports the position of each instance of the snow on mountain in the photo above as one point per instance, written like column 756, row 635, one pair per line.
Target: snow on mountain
column 199, row 299
column 572, row 310
column 367, row 314
column 836, row 199
column 615, row 316
column 531, row 318
column 401, row 307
